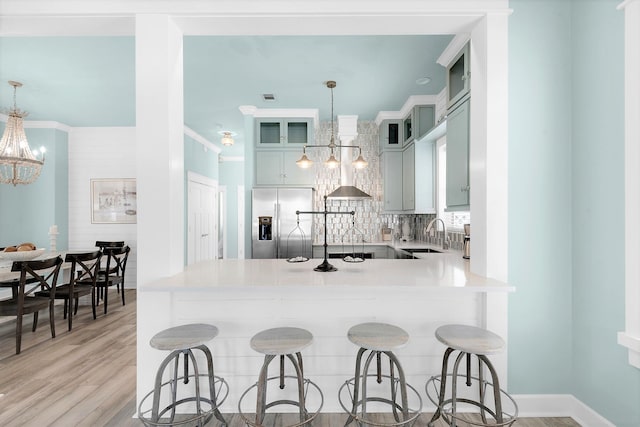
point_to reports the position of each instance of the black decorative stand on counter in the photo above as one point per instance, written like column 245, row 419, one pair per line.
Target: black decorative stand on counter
column 325, row 266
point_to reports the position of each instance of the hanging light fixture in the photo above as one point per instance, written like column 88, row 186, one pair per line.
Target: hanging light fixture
column 227, row 139
column 332, row 162
column 18, row 164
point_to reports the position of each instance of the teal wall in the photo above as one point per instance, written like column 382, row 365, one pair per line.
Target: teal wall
column 200, row 160
column 602, row 377
column 566, row 205
column 232, row 175
column 27, row 211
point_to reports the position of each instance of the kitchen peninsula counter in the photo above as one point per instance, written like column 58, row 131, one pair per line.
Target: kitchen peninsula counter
column 432, row 271
column 243, row 297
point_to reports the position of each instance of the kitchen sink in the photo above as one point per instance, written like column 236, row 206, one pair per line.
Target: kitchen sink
column 408, row 253
column 422, row 250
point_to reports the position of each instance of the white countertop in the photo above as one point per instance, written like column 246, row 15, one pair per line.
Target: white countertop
column 432, row 271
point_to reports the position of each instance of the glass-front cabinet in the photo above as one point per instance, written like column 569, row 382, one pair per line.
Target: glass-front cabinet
column 458, row 77
column 276, row 132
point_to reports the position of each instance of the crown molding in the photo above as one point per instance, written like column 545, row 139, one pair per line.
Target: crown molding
column 40, row 124
column 411, row 102
column 202, row 140
column 453, row 48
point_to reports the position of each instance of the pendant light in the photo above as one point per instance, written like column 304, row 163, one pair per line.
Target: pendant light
column 18, row 164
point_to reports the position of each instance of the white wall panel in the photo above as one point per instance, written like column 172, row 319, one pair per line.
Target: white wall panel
column 108, row 152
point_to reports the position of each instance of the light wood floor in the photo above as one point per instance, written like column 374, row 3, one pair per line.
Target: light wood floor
column 87, row 377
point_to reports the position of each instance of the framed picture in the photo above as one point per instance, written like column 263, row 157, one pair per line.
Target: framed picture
column 113, row 201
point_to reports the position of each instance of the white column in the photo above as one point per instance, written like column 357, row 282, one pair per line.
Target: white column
column 160, row 177
column 488, row 157
column 160, row 152
column 488, row 169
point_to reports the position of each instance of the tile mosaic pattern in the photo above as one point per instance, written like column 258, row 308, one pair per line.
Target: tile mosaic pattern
column 369, row 219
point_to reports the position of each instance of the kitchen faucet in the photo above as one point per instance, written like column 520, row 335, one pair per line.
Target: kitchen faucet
column 445, row 239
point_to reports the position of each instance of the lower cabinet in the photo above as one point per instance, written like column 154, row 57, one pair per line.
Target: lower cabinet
column 275, row 167
column 458, row 158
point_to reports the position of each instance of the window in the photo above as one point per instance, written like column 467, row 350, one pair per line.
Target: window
column 453, row 220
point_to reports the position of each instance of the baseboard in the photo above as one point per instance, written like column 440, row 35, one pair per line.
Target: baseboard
column 559, row 405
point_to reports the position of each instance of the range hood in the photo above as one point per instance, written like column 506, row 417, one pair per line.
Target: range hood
column 347, row 131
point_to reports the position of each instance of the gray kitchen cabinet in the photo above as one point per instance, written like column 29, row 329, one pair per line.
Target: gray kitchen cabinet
column 424, row 177
column 458, row 158
column 420, row 120
column 277, row 132
column 409, row 178
column 278, row 167
column 458, row 78
column 392, row 176
column 390, row 135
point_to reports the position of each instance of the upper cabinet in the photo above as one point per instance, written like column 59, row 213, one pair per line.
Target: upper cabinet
column 420, row 120
column 458, row 158
column 390, row 134
column 458, row 77
column 281, row 132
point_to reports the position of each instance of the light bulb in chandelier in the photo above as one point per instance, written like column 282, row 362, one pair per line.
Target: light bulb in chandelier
column 360, row 162
column 304, row 162
column 332, row 162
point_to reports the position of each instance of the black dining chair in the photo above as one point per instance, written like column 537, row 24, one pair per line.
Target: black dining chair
column 82, row 281
column 34, row 275
column 114, row 260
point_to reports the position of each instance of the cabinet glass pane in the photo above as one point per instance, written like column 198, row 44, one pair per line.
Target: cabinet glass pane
column 270, row 133
column 456, row 75
column 297, row 133
column 394, row 134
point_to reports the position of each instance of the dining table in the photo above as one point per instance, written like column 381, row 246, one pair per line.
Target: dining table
column 10, row 280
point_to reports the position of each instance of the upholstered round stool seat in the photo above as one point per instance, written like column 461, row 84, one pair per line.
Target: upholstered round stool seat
column 285, row 343
column 182, row 392
column 357, row 395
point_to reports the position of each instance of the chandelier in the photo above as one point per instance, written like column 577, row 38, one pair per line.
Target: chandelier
column 18, row 164
column 332, row 162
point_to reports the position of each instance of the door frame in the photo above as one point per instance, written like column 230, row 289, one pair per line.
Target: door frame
column 195, row 178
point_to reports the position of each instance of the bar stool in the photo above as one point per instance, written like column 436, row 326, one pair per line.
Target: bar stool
column 468, row 341
column 182, row 340
column 284, row 342
column 378, row 339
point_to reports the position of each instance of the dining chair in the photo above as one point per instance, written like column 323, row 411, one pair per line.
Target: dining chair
column 113, row 272
column 109, row 244
column 38, row 274
column 82, row 281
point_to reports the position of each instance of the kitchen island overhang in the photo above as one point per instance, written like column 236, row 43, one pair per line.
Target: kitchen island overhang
column 243, row 297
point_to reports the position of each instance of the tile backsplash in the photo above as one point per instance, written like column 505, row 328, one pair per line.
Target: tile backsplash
column 369, row 218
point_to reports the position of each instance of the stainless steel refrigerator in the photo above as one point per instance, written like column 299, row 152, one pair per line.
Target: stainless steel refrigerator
column 274, row 232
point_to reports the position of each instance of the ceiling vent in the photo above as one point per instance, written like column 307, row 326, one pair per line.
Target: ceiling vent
column 268, row 97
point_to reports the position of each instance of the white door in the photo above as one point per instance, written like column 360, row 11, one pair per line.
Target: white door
column 202, row 219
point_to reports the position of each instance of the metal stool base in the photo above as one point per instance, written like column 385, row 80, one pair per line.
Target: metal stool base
column 218, row 390
column 446, row 409
column 309, row 416
column 361, row 418
column 403, row 415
